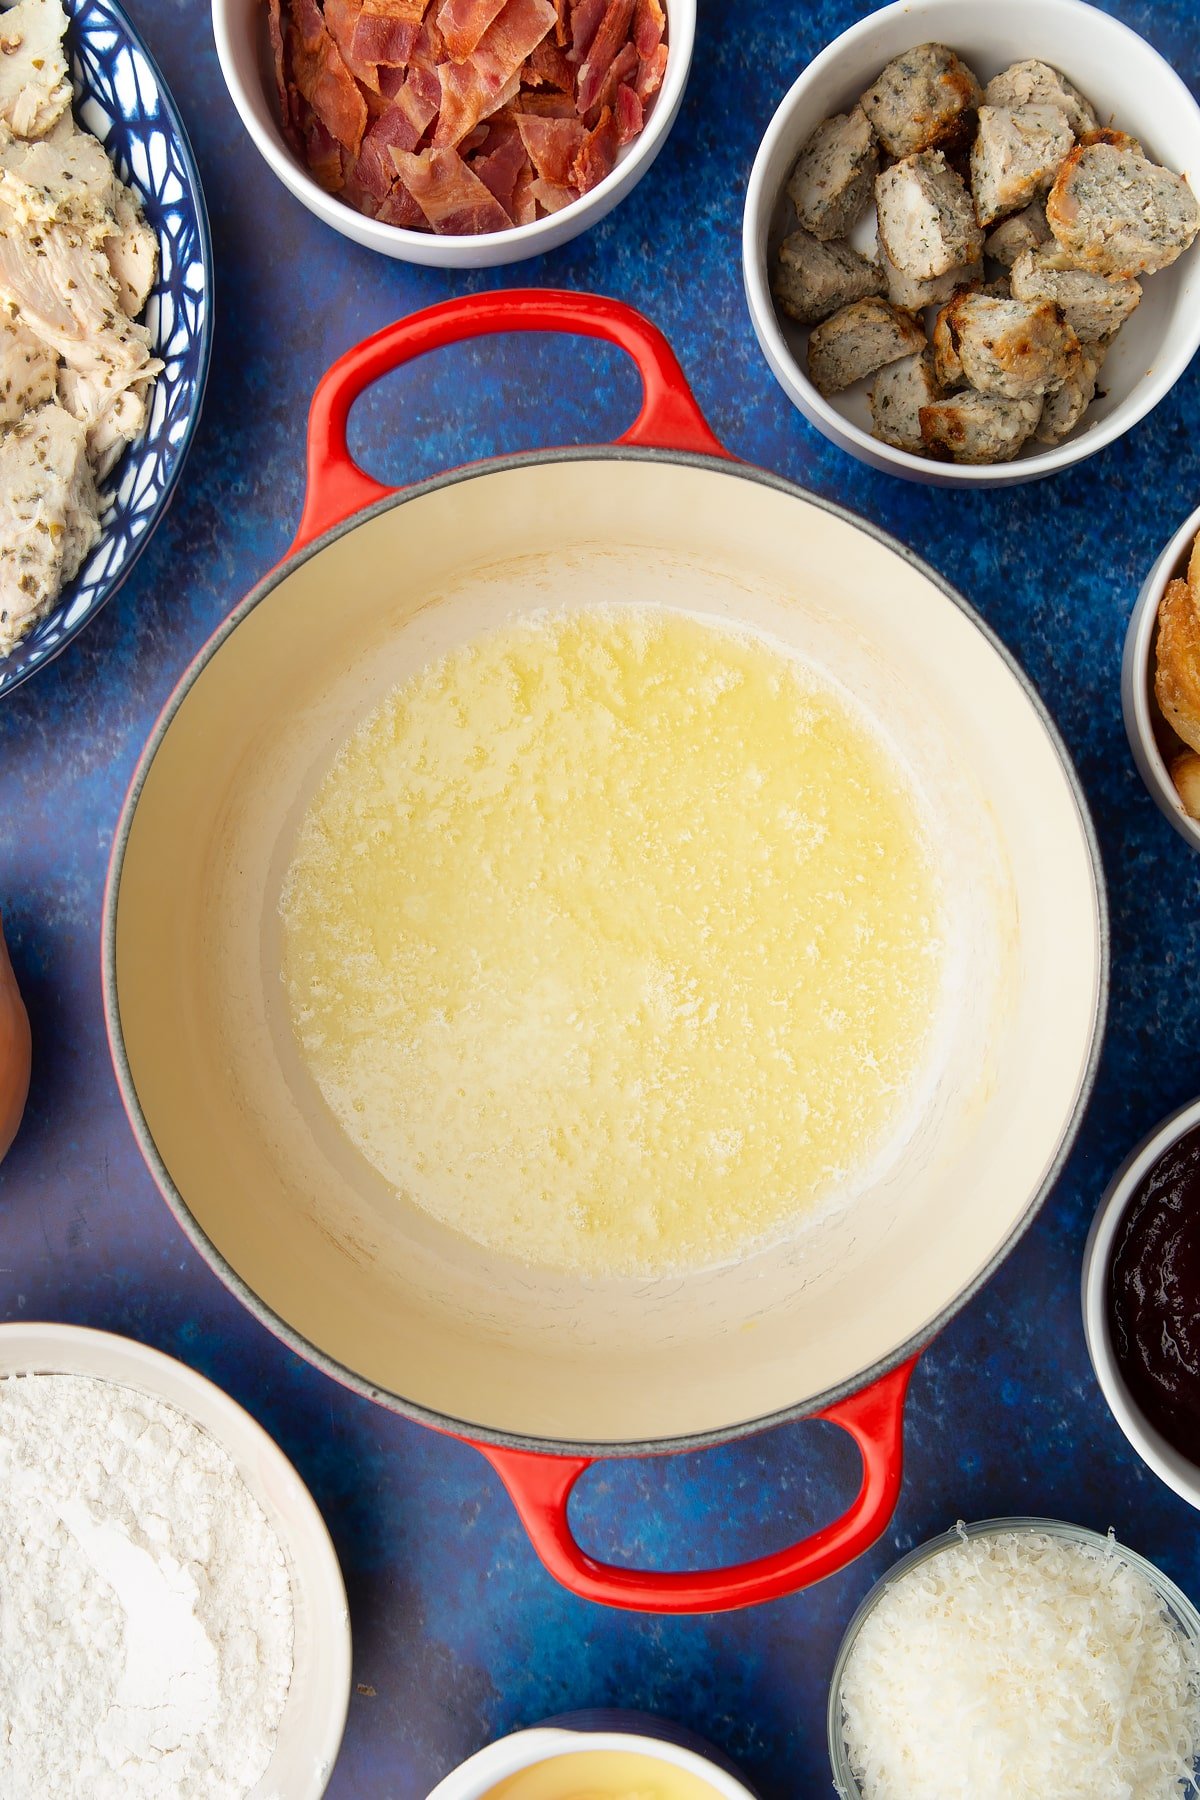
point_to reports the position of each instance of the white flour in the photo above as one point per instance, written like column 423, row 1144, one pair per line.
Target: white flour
column 145, row 1608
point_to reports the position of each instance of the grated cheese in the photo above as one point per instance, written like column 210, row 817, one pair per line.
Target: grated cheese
column 1020, row 1665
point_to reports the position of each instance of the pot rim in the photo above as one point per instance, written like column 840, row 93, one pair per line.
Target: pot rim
column 295, row 1340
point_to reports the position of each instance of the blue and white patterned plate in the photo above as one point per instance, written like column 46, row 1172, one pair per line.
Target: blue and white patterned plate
column 122, row 98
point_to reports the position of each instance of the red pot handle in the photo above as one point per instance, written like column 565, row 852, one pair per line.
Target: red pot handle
column 540, row 1488
column 336, row 487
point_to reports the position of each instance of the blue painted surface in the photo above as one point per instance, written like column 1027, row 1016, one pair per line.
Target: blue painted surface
column 459, row 1636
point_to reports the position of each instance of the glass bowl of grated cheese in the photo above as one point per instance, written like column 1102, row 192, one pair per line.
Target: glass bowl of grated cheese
column 1016, row 1659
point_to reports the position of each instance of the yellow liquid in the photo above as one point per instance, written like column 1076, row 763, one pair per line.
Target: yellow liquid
column 603, row 1775
column 612, row 939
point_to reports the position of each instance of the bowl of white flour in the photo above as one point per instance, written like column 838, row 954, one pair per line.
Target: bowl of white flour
column 172, row 1614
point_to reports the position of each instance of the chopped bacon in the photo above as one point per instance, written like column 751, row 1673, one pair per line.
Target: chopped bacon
column 420, row 93
column 462, row 103
column 463, row 23
column 463, row 116
column 429, row 51
column 387, row 41
column 365, row 203
column 553, row 145
column 275, row 32
column 650, row 74
column 460, row 100
column 392, row 130
column 585, row 22
column 514, row 35
column 508, row 93
column 323, row 78
column 452, row 198
column 630, row 117
column 473, row 89
column 524, row 201
column 298, row 107
column 622, row 68
column 419, row 97
column 649, row 26
column 613, row 31
column 541, row 105
column 387, row 30
column 548, row 67
column 597, row 154
column 323, row 154
column 502, row 162
column 550, row 195
column 401, row 209
column 341, row 20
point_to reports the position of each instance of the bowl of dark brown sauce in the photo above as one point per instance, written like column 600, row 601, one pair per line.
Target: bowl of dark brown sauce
column 1141, row 1300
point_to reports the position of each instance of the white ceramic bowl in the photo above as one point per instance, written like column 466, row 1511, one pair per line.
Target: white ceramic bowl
column 632, row 1733
column 314, row 1716
column 239, row 27
column 1174, row 1600
column 1137, row 681
column 1167, row 1462
column 1125, row 79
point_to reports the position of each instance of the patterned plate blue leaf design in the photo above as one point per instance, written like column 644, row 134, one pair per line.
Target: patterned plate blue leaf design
column 121, row 97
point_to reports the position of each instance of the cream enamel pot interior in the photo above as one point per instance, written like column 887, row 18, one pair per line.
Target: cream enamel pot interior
column 541, row 1372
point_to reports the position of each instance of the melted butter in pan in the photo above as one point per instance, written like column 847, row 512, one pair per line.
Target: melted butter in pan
column 613, row 940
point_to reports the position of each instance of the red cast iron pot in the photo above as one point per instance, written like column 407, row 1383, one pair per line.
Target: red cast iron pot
column 543, row 1374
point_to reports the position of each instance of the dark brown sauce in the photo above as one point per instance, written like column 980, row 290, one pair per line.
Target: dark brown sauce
column 1154, row 1296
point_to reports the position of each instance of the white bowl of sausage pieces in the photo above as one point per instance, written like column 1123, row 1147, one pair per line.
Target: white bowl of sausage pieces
column 968, row 243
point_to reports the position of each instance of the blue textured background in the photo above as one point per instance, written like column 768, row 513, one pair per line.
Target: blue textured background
column 459, row 1636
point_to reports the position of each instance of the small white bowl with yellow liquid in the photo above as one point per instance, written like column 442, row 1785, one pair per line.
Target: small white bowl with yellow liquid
column 603, row 1756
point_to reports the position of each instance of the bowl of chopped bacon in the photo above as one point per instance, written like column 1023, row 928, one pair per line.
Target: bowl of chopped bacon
column 461, row 133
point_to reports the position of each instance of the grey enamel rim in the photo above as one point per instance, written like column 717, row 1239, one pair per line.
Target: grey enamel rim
column 465, row 1428
column 1176, row 1601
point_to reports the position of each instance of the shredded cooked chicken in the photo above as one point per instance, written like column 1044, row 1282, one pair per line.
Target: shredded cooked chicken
column 48, row 515
column 28, row 371
column 77, row 262
column 35, row 90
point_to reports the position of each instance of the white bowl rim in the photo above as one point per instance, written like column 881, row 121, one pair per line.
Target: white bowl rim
column 1150, row 389
column 1136, row 703
column 1184, row 1609
column 1169, row 1464
column 526, row 1749
column 73, row 1345
column 681, row 39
